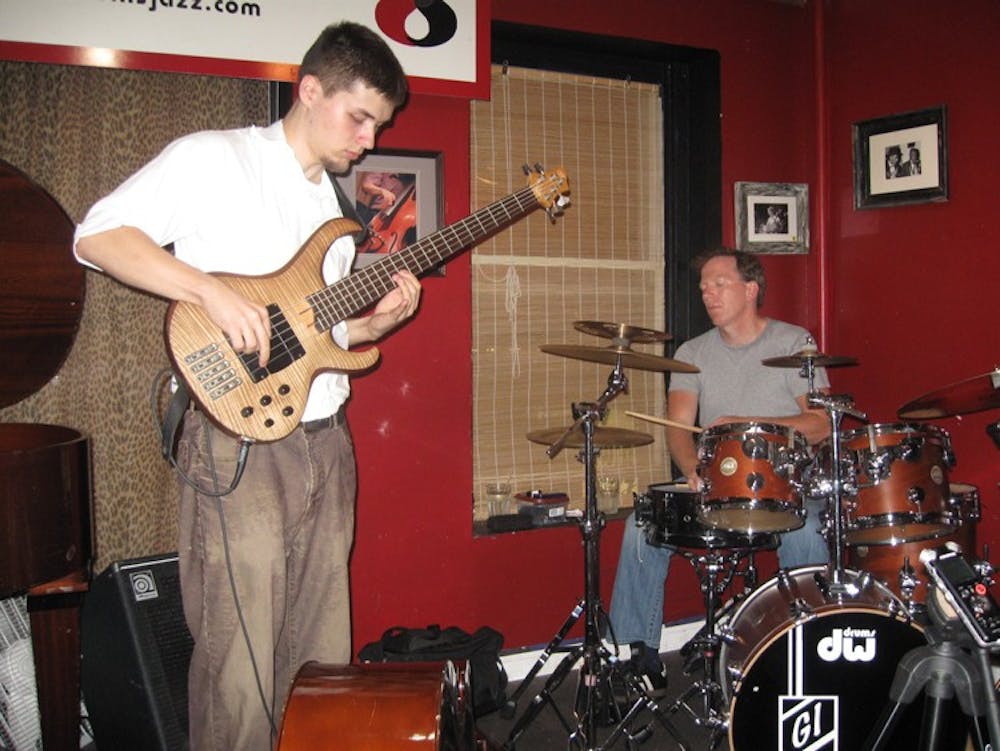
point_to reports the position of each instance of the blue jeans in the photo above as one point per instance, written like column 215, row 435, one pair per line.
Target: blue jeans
column 637, row 598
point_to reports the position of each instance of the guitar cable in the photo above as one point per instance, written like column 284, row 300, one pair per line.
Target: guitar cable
column 232, row 585
column 181, row 398
column 167, row 428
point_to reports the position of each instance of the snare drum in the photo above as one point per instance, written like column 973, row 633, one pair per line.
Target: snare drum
column 888, row 561
column 750, row 473
column 804, row 670
column 901, row 474
column 670, row 514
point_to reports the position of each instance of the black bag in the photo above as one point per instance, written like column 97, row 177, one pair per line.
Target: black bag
column 481, row 650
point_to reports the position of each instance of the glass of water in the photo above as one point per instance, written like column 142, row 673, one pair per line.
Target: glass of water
column 498, row 498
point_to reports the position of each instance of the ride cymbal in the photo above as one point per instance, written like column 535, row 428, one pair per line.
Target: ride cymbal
column 611, row 356
column 975, row 394
column 621, row 331
column 804, row 356
column 604, row 438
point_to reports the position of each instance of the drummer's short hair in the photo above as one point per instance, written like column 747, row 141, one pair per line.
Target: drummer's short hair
column 747, row 264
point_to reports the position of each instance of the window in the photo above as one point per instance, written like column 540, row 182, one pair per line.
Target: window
column 603, row 260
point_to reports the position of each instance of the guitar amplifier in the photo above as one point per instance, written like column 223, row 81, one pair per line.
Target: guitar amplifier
column 136, row 649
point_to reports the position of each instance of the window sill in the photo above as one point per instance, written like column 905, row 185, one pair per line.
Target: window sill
column 480, row 528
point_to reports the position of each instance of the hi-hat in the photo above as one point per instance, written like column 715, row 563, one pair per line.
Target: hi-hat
column 611, row 356
column 604, row 438
column 621, row 332
column 804, row 356
column 971, row 395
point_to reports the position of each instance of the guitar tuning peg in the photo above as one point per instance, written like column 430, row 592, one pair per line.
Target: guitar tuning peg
column 527, row 169
column 538, row 168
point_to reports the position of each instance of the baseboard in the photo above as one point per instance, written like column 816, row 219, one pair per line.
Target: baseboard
column 518, row 663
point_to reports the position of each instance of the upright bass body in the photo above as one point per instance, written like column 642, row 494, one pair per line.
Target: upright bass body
column 378, row 706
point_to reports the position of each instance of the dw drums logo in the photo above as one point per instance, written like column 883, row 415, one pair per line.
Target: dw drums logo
column 851, row 644
column 416, row 23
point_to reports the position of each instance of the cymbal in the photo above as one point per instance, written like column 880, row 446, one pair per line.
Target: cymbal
column 605, row 438
column 804, row 356
column 621, row 331
column 971, row 395
column 611, row 355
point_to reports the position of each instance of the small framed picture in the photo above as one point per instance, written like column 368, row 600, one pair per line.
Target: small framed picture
column 397, row 196
column 772, row 217
column 901, row 159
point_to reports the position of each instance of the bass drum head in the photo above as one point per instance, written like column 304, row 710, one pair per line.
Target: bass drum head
column 805, row 670
column 823, row 684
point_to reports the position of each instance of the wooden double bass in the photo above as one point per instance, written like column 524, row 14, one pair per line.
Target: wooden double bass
column 45, row 521
column 379, row 707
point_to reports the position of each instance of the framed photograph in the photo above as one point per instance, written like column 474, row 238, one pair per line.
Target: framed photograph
column 772, row 217
column 397, row 196
column 902, row 159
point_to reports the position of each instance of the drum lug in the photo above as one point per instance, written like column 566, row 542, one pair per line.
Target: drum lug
column 727, row 635
column 755, row 447
column 916, row 495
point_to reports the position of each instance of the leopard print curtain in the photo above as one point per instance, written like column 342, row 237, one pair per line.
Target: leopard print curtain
column 78, row 132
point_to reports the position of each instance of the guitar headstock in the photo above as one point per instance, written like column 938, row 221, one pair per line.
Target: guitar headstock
column 551, row 189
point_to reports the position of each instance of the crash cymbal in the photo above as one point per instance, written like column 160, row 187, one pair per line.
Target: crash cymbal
column 610, row 356
column 971, row 395
column 818, row 359
column 604, row 438
column 621, row 332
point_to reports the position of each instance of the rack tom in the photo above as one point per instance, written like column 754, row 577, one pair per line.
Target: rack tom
column 750, row 477
column 901, row 475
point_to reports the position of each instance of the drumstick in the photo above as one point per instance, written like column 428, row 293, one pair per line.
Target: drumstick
column 664, row 421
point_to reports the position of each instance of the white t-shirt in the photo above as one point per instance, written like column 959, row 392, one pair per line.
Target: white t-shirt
column 234, row 201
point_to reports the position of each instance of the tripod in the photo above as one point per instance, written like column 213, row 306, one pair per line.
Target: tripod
column 599, row 669
column 716, row 570
column 942, row 669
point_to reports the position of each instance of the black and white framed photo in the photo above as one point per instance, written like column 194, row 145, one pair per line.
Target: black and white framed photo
column 772, row 217
column 397, row 196
column 901, row 159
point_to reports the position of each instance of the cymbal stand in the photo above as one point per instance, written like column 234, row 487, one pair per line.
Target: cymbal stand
column 716, row 570
column 836, row 407
column 599, row 669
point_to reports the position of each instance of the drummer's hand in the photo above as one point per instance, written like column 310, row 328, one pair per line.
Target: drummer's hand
column 727, row 419
column 693, row 481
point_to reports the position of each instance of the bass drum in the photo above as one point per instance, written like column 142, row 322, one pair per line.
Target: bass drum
column 803, row 670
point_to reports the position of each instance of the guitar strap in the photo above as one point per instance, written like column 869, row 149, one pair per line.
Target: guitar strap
column 172, row 419
column 347, row 207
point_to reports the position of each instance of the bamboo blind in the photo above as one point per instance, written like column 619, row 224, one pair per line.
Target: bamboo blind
column 602, row 260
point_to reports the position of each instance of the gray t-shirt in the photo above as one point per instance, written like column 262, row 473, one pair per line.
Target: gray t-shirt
column 733, row 380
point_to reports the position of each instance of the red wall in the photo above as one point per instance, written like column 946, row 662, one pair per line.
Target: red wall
column 415, row 559
column 909, row 288
column 915, row 286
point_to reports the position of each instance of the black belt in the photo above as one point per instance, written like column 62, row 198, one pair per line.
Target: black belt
column 333, row 421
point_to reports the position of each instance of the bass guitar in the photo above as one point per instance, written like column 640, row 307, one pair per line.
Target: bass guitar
column 266, row 404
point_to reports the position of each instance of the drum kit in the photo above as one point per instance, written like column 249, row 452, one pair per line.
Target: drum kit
column 803, row 659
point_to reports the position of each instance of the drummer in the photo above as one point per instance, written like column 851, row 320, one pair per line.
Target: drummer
column 732, row 386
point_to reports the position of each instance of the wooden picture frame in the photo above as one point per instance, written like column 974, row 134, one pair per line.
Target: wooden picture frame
column 901, row 159
column 772, row 217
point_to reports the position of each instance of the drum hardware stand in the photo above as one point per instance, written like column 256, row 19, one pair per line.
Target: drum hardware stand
column 942, row 669
column 599, row 669
column 715, row 572
column 836, row 407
